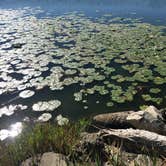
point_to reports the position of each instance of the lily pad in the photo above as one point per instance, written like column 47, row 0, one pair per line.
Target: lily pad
column 45, row 117
column 78, row 96
column 26, row 93
column 9, row 110
column 146, row 97
column 46, row 105
column 62, row 120
column 110, row 104
column 159, row 80
column 143, row 107
column 155, row 90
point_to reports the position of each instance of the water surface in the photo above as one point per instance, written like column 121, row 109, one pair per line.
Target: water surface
column 93, row 57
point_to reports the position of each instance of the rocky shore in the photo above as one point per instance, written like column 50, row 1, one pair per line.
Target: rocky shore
column 135, row 135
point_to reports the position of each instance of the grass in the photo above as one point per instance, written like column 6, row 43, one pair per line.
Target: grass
column 60, row 139
column 42, row 138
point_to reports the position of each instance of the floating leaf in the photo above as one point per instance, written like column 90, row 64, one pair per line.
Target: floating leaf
column 110, row 104
column 62, row 120
column 45, row 117
column 155, row 90
column 46, row 105
column 26, row 93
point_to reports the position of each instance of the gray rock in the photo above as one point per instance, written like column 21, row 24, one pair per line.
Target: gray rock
column 31, row 161
column 149, row 119
column 53, row 159
column 47, row 159
column 145, row 160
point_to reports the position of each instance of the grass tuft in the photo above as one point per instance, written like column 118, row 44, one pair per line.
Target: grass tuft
column 43, row 138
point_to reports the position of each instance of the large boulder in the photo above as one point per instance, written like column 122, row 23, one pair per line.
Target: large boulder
column 150, row 119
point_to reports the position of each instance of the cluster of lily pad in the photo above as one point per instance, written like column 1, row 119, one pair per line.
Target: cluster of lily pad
column 10, row 109
column 108, row 57
column 157, row 100
column 46, row 105
column 79, row 42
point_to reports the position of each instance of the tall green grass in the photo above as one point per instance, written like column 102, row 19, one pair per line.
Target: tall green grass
column 60, row 139
column 43, row 138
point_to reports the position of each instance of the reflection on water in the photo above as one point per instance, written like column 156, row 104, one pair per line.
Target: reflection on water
column 13, row 131
column 150, row 7
column 54, row 3
column 151, row 10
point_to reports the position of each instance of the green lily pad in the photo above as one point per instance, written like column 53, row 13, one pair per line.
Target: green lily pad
column 110, row 104
column 143, row 107
column 159, row 80
column 146, row 97
column 155, row 90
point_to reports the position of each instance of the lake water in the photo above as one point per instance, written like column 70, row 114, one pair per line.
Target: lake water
column 79, row 58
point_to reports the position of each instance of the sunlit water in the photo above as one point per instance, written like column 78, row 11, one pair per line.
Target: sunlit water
column 40, row 51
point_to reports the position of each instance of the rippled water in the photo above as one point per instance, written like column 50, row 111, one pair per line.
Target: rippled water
column 79, row 58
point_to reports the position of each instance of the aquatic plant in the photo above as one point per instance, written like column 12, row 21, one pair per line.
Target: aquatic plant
column 46, row 105
column 113, row 59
